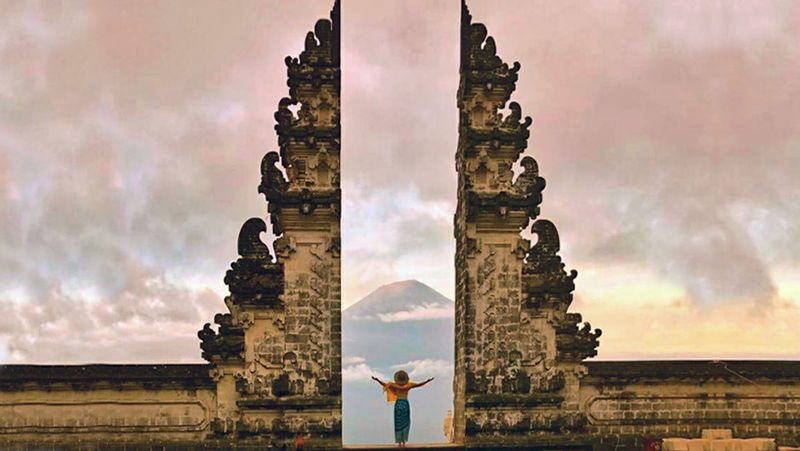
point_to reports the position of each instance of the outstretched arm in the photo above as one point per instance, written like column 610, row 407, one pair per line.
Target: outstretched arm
column 422, row 383
column 378, row 381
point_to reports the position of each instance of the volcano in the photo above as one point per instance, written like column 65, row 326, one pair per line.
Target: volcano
column 403, row 325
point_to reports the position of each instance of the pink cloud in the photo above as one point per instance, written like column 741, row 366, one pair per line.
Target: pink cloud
column 131, row 135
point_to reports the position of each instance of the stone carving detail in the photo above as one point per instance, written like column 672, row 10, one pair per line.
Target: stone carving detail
column 512, row 121
column 325, row 169
column 549, row 287
column 479, row 51
column 273, row 185
column 543, row 268
column 254, row 279
column 529, row 183
column 250, row 245
column 273, row 182
column 224, row 346
column 516, row 345
column 575, row 343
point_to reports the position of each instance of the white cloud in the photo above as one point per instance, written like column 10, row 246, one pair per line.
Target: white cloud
column 132, row 326
column 427, row 368
column 360, row 372
column 354, row 360
column 420, row 312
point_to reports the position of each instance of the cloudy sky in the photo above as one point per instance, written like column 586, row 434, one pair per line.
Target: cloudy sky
column 131, row 135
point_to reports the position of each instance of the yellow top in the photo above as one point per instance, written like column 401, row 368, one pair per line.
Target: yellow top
column 396, row 391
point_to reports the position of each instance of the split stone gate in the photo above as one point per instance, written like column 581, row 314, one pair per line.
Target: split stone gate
column 521, row 379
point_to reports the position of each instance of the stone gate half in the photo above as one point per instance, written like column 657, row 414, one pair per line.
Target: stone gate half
column 520, row 375
column 277, row 352
column 518, row 351
column 274, row 370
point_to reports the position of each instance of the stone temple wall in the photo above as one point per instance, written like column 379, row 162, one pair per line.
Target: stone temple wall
column 46, row 407
column 628, row 402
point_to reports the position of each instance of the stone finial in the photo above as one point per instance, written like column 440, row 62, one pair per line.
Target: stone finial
column 250, row 245
column 273, row 182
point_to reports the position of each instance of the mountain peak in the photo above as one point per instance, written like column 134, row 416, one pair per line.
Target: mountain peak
column 404, row 298
column 409, row 284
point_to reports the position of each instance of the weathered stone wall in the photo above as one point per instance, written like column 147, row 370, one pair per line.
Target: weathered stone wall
column 626, row 402
column 104, row 404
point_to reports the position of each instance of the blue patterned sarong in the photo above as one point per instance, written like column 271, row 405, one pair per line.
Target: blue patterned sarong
column 402, row 420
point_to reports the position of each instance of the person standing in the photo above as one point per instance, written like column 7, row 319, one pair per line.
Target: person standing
column 397, row 392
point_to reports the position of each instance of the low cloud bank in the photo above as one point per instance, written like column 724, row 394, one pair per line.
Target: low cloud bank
column 360, row 372
column 418, row 313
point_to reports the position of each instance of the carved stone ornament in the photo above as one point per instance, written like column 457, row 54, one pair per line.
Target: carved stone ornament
column 226, row 345
column 254, row 279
